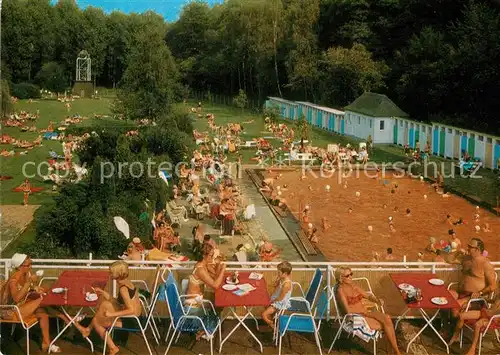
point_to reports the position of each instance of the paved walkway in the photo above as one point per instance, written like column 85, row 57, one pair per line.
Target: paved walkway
column 265, row 221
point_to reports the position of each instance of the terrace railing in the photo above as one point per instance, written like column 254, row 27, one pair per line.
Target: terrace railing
column 376, row 272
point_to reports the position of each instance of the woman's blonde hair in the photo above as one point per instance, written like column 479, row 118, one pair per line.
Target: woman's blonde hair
column 339, row 272
column 119, row 270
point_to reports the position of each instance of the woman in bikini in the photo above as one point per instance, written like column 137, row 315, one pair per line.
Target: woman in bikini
column 201, row 279
column 126, row 304
column 20, row 290
column 351, row 300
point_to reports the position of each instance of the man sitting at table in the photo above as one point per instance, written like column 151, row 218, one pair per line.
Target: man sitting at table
column 478, row 275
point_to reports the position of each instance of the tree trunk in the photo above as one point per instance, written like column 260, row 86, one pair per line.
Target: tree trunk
column 276, row 56
column 244, row 77
column 239, row 78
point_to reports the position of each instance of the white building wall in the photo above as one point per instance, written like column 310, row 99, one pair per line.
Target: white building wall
column 383, row 135
column 449, row 142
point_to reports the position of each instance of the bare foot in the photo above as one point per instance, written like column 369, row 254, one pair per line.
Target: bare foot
column 113, row 351
column 85, row 332
column 199, row 335
column 453, row 340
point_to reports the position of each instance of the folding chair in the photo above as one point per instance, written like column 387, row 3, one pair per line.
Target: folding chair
column 150, row 305
column 470, row 324
column 181, row 321
column 312, row 292
column 26, row 324
column 304, row 303
column 344, row 321
column 142, row 328
column 298, row 323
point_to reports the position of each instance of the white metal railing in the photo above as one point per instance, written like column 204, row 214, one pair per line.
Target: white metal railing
column 376, row 271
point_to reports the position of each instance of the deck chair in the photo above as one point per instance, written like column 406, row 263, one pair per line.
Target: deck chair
column 177, row 214
column 181, row 321
column 142, row 327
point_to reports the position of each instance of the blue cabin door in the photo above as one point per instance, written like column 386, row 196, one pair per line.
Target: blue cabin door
column 496, row 156
column 342, row 126
column 435, row 141
column 463, row 145
column 319, row 119
column 331, row 123
column 411, row 138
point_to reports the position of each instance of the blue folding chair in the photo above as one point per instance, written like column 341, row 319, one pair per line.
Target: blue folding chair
column 299, row 323
column 181, row 321
column 310, row 296
column 322, row 305
column 304, row 303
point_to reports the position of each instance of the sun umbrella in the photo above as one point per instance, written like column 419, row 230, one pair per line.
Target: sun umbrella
column 122, row 226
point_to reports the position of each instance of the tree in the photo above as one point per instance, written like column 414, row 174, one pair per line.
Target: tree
column 5, row 99
column 302, row 129
column 241, row 100
column 149, row 84
column 51, row 77
column 354, row 72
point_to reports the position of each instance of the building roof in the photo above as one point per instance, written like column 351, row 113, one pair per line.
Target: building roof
column 279, row 99
column 375, row 105
column 329, row 109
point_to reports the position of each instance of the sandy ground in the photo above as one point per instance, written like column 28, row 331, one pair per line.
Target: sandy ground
column 349, row 238
column 13, row 220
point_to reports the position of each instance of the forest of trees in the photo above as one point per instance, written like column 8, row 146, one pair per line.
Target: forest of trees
column 437, row 59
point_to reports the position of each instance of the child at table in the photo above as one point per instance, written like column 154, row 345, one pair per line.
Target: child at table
column 280, row 300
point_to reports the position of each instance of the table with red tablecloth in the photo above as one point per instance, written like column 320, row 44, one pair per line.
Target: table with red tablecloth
column 77, row 283
column 256, row 298
column 429, row 291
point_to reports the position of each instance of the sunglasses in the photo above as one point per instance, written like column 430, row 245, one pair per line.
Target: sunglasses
column 26, row 265
column 348, row 275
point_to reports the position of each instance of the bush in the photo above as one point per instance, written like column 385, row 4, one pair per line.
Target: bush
column 51, row 77
column 25, row 91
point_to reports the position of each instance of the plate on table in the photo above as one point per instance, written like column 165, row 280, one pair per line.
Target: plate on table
column 439, row 301
column 229, row 280
column 229, row 287
column 91, row 297
column 436, row 282
column 405, row 287
column 58, row 290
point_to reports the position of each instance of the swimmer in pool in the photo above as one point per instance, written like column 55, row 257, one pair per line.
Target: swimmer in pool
column 326, row 226
column 486, row 228
column 408, row 212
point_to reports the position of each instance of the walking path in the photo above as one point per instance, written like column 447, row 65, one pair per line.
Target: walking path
column 265, row 221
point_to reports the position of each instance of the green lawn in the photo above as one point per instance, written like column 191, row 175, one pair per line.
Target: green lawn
column 50, row 110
